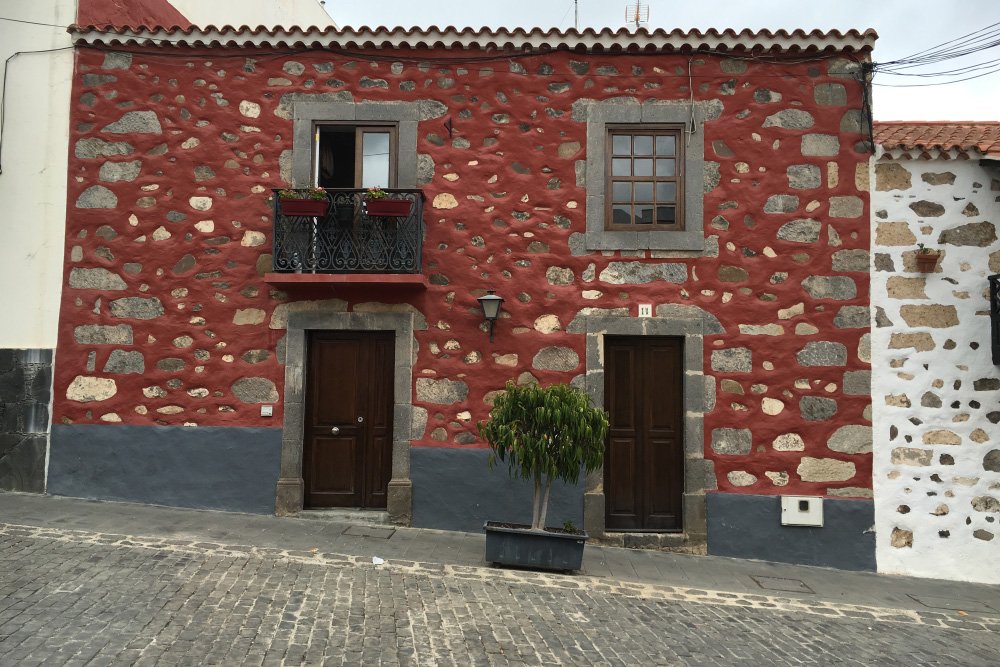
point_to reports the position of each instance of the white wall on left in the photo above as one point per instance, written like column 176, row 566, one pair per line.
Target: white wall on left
column 34, row 163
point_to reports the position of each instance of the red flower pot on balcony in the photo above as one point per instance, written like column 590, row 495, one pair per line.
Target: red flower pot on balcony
column 394, row 208
column 315, row 208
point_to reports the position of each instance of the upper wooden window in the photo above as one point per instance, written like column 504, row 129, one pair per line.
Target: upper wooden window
column 644, row 178
column 354, row 155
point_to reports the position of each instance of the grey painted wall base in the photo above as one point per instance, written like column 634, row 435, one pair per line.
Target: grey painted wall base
column 25, row 393
column 746, row 526
column 454, row 490
column 205, row 467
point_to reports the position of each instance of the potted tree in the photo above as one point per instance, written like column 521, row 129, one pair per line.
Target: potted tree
column 377, row 203
column 543, row 435
column 927, row 259
column 311, row 202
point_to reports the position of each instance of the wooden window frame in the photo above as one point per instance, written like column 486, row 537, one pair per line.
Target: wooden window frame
column 677, row 131
column 360, row 128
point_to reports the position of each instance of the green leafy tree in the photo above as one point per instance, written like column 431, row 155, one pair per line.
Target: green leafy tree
column 544, row 435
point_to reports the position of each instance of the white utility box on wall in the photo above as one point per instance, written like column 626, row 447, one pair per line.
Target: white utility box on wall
column 801, row 511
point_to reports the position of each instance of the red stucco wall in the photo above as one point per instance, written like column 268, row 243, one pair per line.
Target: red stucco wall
column 499, row 214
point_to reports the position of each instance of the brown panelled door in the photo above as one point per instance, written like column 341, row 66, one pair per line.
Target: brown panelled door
column 347, row 454
column 644, row 462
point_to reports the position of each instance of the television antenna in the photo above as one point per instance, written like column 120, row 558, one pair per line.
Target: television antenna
column 637, row 15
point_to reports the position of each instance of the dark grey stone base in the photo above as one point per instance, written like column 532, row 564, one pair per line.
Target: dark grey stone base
column 25, row 394
column 454, row 490
column 205, row 467
column 746, row 526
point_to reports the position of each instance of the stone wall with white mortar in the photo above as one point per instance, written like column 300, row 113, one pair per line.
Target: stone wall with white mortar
column 935, row 390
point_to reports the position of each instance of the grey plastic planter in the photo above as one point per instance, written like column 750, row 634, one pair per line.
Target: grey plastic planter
column 528, row 548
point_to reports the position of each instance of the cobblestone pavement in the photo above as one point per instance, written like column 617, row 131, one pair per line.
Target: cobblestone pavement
column 81, row 598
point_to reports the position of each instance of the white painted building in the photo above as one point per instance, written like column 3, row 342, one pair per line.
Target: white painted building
column 935, row 389
column 253, row 13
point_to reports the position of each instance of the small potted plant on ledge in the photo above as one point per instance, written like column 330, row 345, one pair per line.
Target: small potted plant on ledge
column 312, row 202
column 378, row 203
column 926, row 259
column 543, row 435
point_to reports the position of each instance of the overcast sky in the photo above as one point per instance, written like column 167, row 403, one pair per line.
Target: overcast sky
column 904, row 27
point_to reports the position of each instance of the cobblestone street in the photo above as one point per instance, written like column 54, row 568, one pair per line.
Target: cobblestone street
column 72, row 597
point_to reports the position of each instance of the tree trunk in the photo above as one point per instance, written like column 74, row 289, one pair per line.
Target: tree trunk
column 545, row 503
column 537, row 504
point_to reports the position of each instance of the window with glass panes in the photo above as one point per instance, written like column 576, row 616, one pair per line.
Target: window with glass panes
column 645, row 178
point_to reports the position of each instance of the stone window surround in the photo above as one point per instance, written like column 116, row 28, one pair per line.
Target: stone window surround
column 307, row 113
column 699, row 474
column 601, row 114
column 290, row 494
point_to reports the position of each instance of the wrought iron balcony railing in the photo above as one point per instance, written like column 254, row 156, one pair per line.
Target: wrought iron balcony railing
column 350, row 238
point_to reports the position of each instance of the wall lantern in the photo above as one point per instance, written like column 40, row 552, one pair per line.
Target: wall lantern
column 491, row 308
column 995, row 317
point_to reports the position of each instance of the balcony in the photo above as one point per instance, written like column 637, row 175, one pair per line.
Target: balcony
column 349, row 241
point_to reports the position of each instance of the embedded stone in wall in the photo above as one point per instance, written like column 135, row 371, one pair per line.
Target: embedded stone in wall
column 557, row 275
column 771, row 406
column 97, row 196
column 830, row 94
column 986, row 504
column 547, row 324
column 912, row 456
column 710, row 176
column 255, row 390
column 921, row 342
column 256, row 356
column 732, row 274
column 137, row 308
column 247, row 316
column 638, row 273
column 846, row 207
column 852, row 317
column 445, row 200
column 941, row 178
column 442, row 392
column 170, row 365
column 991, row 462
column 800, row 231
column 99, row 279
column 556, row 359
column 99, row 334
column 142, row 122
column 732, row 441
column 857, row 383
column 788, row 442
column 976, row 234
column 817, row 408
column 781, row 204
column 901, row 287
column 85, row 389
column 741, row 478
column 894, row 234
column 825, row 470
column 732, row 360
column 122, row 361
column 95, row 148
column 927, row 209
column 820, row 145
column 185, row 264
column 804, row 176
column 851, row 439
column 941, row 436
column 762, row 329
column 892, row 176
column 901, row 539
column 790, row 119
column 934, row 316
column 865, row 348
column 822, row 353
column 119, row 171
column 839, row 288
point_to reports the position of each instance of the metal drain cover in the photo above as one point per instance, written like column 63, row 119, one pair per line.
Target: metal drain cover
column 951, row 604
column 779, row 584
column 369, row 531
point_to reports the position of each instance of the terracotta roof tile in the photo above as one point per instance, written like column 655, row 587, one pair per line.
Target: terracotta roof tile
column 982, row 136
column 607, row 40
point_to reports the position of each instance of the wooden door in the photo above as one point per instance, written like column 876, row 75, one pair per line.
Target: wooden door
column 644, row 462
column 347, row 454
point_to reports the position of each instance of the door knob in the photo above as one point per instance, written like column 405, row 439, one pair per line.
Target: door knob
column 360, row 419
column 335, row 430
